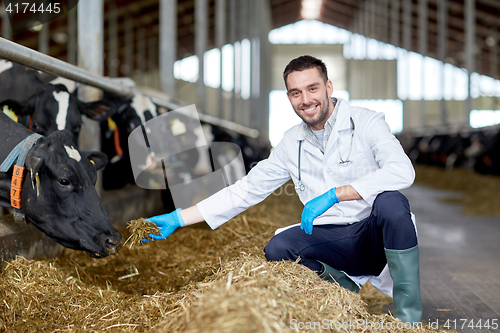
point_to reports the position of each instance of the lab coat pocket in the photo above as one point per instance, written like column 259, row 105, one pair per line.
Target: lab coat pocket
column 351, row 169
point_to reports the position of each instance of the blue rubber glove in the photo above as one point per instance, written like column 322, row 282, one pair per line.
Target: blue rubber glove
column 167, row 223
column 315, row 208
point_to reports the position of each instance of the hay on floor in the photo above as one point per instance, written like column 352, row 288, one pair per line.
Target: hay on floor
column 38, row 297
column 250, row 294
column 196, row 280
column 477, row 193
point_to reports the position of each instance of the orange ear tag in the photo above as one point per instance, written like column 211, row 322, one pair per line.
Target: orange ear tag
column 15, row 186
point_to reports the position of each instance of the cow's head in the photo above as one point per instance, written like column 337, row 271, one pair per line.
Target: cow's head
column 134, row 112
column 54, row 108
column 130, row 114
column 59, row 198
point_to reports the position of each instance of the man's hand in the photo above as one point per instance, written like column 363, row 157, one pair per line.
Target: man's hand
column 315, row 208
column 167, row 224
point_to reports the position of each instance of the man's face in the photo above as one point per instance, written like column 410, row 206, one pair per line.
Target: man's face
column 310, row 97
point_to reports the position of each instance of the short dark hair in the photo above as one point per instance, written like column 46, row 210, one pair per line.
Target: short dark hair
column 305, row 62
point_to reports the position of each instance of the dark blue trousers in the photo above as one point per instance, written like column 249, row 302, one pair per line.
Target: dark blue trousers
column 358, row 248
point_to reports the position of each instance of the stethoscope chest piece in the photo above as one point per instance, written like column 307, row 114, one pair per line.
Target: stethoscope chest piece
column 300, row 186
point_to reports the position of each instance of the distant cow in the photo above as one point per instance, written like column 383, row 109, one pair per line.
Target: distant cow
column 58, row 194
column 45, row 107
column 179, row 134
column 130, row 114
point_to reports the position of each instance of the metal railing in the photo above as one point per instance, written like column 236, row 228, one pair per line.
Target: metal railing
column 39, row 61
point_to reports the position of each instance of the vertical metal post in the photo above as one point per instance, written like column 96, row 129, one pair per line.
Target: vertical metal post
column 470, row 37
column 232, row 38
column 220, row 36
column 90, row 57
column 129, row 45
column 255, row 67
column 367, row 25
column 72, row 37
column 141, row 50
column 383, row 18
column 113, row 61
column 6, row 29
column 7, row 34
column 152, row 52
column 372, row 19
column 407, row 25
column 43, row 34
column 494, row 53
column 442, row 19
column 395, row 22
column 362, row 21
column 168, row 45
column 201, row 42
column 422, row 49
column 407, row 45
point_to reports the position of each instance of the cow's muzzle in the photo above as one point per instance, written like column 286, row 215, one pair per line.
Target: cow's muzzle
column 113, row 242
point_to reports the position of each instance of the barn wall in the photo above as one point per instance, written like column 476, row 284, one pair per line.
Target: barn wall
column 332, row 56
column 456, row 114
column 372, row 79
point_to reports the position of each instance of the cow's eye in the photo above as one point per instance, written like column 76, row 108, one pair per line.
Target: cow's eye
column 64, row 182
column 77, row 129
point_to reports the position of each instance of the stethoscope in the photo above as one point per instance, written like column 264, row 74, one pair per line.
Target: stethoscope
column 300, row 186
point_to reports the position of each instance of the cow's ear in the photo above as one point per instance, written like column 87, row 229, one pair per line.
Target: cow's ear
column 15, row 106
column 98, row 159
column 34, row 164
column 99, row 110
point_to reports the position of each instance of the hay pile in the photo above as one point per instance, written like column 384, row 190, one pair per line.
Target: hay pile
column 479, row 193
column 249, row 294
column 197, row 280
column 37, row 297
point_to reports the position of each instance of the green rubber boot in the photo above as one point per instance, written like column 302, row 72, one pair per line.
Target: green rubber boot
column 405, row 273
column 332, row 275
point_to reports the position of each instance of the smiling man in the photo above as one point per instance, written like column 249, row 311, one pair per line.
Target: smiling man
column 348, row 169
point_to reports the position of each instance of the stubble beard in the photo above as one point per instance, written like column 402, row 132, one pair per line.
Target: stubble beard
column 320, row 117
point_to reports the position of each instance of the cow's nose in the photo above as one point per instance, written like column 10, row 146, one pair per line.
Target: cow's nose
column 113, row 243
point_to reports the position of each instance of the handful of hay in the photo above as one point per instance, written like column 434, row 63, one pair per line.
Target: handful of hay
column 140, row 229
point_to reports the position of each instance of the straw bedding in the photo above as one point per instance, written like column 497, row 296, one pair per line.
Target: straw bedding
column 197, row 280
column 478, row 193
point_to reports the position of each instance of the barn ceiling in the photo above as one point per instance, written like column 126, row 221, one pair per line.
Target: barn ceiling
column 341, row 13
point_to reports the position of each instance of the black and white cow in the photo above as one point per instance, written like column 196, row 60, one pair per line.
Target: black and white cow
column 45, row 107
column 58, row 194
column 188, row 164
column 130, row 114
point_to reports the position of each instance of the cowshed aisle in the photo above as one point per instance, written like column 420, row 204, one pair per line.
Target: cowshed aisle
column 459, row 262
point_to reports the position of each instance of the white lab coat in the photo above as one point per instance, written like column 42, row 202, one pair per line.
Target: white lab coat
column 378, row 163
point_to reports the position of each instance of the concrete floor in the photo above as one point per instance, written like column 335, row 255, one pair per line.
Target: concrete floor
column 459, row 263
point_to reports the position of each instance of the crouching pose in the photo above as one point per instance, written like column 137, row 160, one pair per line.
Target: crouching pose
column 348, row 169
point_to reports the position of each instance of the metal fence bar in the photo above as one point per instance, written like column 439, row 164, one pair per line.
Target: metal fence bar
column 25, row 56
column 28, row 57
column 159, row 99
